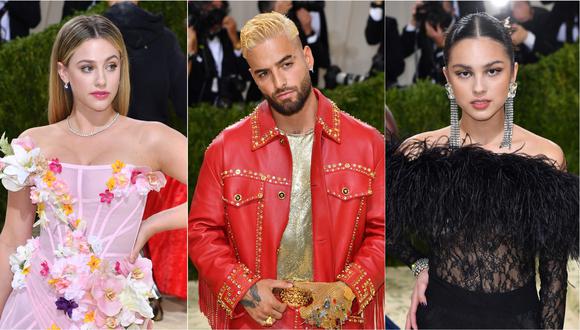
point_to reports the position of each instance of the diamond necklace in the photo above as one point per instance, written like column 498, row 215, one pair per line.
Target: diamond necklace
column 79, row 133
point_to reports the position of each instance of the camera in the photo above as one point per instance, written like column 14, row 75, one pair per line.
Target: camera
column 432, row 12
column 203, row 16
column 334, row 76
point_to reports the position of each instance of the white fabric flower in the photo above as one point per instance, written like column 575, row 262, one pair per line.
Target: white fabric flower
column 18, row 167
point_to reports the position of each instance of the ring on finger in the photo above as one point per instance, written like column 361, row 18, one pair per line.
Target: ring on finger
column 269, row 321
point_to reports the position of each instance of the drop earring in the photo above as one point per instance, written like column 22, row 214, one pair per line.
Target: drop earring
column 508, row 123
column 454, row 139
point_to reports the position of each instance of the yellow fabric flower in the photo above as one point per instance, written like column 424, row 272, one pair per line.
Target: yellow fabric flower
column 40, row 208
column 94, row 263
column 25, row 271
column 53, row 327
column 122, row 180
column 89, row 317
column 66, row 198
column 67, row 209
column 111, row 183
column 49, row 178
column 53, row 281
column 117, row 166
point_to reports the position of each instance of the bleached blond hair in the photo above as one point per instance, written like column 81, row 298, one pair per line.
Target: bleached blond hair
column 265, row 26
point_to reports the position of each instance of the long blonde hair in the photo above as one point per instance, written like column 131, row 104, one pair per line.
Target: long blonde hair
column 72, row 34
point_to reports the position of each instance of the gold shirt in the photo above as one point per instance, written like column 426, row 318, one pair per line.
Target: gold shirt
column 295, row 253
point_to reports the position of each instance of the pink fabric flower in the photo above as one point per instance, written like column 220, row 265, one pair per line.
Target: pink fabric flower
column 55, row 166
column 106, row 292
column 135, row 173
column 106, row 197
column 59, row 187
column 140, row 270
column 35, row 195
column 26, row 143
column 118, row 267
column 45, row 270
column 156, row 180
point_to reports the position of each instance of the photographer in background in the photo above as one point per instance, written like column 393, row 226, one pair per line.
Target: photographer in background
column 217, row 72
column 426, row 32
column 375, row 34
column 310, row 20
column 530, row 34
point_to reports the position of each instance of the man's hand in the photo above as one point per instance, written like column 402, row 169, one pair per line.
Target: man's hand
column 519, row 35
column 305, row 20
column 413, row 21
column 191, row 40
column 436, row 34
column 260, row 303
column 331, row 303
column 229, row 24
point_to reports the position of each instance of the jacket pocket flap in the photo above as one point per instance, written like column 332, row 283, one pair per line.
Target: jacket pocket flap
column 239, row 191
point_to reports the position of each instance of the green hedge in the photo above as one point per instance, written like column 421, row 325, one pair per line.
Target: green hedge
column 24, row 70
column 364, row 101
column 546, row 103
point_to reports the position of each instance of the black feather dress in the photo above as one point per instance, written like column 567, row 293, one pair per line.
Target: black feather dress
column 486, row 218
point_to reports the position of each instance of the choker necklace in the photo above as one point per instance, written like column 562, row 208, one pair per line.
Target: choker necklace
column 92, row 133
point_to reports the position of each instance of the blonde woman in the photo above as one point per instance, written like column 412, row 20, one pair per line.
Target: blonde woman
column 85, row 178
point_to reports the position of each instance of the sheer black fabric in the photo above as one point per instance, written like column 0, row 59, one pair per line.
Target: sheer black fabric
column 486, row 218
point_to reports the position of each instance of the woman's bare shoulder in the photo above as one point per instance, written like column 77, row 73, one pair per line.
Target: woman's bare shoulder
column 535, row 145
column 42, row 133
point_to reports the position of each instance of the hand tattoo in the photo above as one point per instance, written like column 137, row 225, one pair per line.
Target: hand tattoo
column 253, row 303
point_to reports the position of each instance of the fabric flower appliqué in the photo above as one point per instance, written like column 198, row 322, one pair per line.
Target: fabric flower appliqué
column 124, row 180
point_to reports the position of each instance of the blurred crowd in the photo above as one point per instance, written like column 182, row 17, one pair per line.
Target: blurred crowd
column 218, row 73
column 535, row 32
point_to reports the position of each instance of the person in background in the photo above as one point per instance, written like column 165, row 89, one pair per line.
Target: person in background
column 217, row 72
column 529, row 32
column 375, row 34
column 17, row 18
column 156, row 60
column 72, row 6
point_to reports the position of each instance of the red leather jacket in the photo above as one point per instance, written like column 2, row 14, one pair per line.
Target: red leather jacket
column 241, row 204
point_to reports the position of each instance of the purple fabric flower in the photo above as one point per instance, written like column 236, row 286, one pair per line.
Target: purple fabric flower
column 66, row 306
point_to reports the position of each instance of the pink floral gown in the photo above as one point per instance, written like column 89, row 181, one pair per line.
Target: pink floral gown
column 75, row 275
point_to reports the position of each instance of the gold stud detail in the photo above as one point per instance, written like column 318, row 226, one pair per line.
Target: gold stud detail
column 237, row 197
column 281, row 195
column 345, row 191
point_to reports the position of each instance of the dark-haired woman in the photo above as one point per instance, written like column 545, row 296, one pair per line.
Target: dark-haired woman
column 487, row 196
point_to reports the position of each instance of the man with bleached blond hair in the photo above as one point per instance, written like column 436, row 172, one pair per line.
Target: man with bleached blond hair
column 287, row 221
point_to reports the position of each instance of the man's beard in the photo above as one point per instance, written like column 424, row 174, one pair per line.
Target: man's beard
column 288, row 108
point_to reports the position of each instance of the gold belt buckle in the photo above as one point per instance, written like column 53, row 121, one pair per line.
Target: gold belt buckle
column 296, row 297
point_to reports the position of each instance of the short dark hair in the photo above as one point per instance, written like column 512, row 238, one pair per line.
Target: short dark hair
column 478, row 25
column 265, row 6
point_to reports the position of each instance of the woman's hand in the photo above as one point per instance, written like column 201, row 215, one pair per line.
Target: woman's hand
column 417, row 297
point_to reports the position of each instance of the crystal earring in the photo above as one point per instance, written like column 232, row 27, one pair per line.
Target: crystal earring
column 508, row 123
column 454, row 139
column 66, row 85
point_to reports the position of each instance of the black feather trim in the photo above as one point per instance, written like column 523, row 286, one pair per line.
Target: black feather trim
column 437, row 192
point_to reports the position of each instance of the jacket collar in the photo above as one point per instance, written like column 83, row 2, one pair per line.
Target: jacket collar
column 264, row 128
